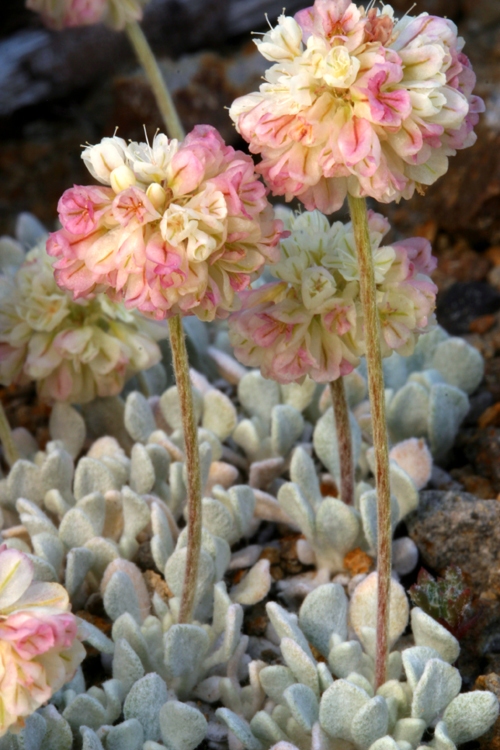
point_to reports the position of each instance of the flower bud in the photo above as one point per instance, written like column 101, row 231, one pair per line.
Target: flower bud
column 157, row 196
column 122, row 178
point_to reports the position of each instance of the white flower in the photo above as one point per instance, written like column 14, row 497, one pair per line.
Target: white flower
column 73, row 350
column 104, row 157
column 283, row 42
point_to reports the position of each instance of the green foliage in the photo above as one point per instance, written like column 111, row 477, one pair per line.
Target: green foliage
column 448, row 600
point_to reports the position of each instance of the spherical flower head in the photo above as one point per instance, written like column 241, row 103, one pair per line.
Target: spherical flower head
column 310, row 321
column 179, row 228
column 74, row 350
column 39, row 647
column 358, row 102
column 61, row 14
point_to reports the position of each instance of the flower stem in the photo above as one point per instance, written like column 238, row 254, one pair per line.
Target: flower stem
column 377, row 401
column 181, row 367
column 344, row 440
column 178, row 345
column 9, row 447
column 162, row 95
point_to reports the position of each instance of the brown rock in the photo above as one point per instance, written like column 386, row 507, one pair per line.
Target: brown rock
column 289, row 560
column 491, row 682
column 428, row 230
column 99, row 622
column 476, row 485
column 460, row 529
column 272, row 554
column 494, row 277
column 482, row 324
column 156, row 584
column 463, row 264
column 490, row 417
column 358, row 562
column 492, row 377
column 328, row 486
column 493, row 254
column 482, row 449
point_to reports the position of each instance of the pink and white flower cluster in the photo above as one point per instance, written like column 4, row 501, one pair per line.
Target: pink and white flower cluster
column 61, row 14
column 179, row 227
column 357, row 101
column 39, row 648
column 74, row 350
column 310, row 322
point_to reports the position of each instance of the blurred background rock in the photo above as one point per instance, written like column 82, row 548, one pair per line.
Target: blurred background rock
column 61, row 89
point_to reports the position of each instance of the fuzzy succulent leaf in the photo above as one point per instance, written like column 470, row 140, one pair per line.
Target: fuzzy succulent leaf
column 339, row 705
column 182, row 726
column 240, row 728
column 470, row 715
column 303, row 704
column 428, row 632
column 258, row 396
column 470, row 371
column 144, row 701
column 325, row 442
column 322, row 613
column 439, row 684
column 138, row 417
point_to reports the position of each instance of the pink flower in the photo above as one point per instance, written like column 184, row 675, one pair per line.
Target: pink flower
column 189, row 227
column 357, row 102
column 81, row 209
column 39, row 648
column 310, row 322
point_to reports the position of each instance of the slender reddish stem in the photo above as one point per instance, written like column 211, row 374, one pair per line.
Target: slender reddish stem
column 181, row 367
column 377, row 403
column 344, row 440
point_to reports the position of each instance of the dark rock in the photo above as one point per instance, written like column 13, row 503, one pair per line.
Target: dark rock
column 464, row 302
column 492, row 377
column 37, row 64
column 479, row 402
column 482, row 449
column 449, row 8
column 458, row 528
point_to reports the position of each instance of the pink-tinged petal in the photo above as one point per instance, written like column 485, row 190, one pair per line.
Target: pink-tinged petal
column 39, row 594
column 60, row 384
column 133, row 206
column 419, row 252
column 16, row 575
column 293, row 365
column 355, row 141
column 81, row 208
column 378, row 223
column 32, row 634
column 187, row 172
column 396, row 334
column 327, row 196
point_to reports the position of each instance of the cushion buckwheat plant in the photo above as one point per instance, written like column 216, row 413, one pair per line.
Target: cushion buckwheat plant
column 358, row 101
column 179, row 227
column 75, row 350
column 60, row 14
column 310, row 321
column 39, row 648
